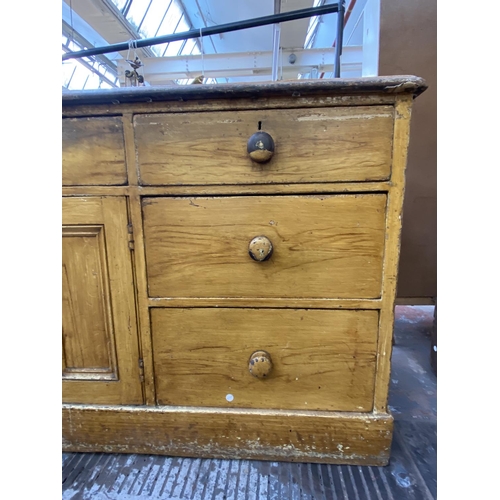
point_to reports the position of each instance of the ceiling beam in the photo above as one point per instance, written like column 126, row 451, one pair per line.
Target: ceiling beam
column 161, row 70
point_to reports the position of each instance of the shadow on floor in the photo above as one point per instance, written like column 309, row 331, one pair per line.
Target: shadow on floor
column 411, row 474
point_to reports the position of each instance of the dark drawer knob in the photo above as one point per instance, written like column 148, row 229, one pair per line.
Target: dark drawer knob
column 260, row 248
column 260, row 147
column 260, row 364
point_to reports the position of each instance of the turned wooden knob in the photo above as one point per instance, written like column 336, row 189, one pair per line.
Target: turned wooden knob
column 260, row 147
column 260, row 364
column 260, row 248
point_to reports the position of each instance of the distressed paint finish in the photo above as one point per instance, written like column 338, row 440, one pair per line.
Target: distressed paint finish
column 320, row 145
column 260, row 248
column 328, row 437
column 324, row 246
column 260, row 365
column 331, row 209
column 99, row 316
column 238, row 189
column 322, row 360
column 411, row 474
column 88, row 336
column 92, row 152
column 135, row 229
column 391, row 256
column 369, row 88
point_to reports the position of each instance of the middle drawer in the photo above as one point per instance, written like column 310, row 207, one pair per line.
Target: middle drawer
column 323, row 246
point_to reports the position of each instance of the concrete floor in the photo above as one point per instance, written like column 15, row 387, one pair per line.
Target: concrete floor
column 411, row 474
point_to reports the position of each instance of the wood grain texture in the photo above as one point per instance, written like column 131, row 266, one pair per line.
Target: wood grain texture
column 324, row 246
column 129, row 148
column 314, row 188
column 93, row 151
column 322, row 360
column 325, row 437
column 274, row 303
column 141, row 294
column 320, row 145
column 88, row 336
column 322, row 306
column 391, row 257
column 146, row 349
column 110, row 214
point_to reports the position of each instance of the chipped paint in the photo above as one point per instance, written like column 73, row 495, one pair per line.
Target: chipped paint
column 228, row 121
column 319, row 117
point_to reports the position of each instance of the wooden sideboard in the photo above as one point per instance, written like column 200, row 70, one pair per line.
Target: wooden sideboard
column 230, row 257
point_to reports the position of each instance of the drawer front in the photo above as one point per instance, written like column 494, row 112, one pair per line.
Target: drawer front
column 311, row 145
column 320, row 359
column 328, row 246
column 93, row 152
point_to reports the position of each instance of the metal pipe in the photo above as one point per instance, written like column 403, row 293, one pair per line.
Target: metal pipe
column 208, row 31
column 340, row 33
column 347, row 15
column 276, row 42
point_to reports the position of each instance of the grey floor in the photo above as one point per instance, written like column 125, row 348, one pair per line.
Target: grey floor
column 411, row 473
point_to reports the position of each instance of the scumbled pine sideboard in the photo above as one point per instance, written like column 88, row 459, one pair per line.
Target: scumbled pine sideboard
column 230, row 257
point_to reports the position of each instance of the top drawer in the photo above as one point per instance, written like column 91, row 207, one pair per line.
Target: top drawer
column 93, row 152
column 311, row 145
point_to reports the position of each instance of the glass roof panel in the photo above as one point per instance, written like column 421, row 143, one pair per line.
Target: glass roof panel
column 168, row 26
column 85, row 73
column 173, row 48
column 150, row 18
column 79, row 78
column 177, row 48
column 189, row 46
column 136, row 12
column 170, row 20
column 154, row 17
column 313, row 24
column 196, row 50
column 68, row 70
column 92, row 81
column 120, row 3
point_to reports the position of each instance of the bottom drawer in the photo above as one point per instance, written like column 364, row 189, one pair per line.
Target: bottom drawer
column 318, row 359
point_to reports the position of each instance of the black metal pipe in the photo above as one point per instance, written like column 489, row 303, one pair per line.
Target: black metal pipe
column 208, row 31
column 339, row 39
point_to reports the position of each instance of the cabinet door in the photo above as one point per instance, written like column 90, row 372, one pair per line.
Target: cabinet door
column 100, row 355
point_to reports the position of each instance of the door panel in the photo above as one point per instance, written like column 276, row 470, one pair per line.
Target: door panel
column 100, row 346
column 89, row 339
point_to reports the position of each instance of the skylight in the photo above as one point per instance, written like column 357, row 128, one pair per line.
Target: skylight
column 148, row 18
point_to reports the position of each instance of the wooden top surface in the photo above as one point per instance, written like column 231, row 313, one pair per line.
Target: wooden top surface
column 294, row 88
